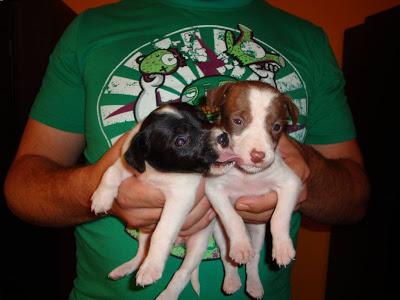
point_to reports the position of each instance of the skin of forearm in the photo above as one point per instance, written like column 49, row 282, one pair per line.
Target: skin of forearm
column 49, row 194
column 337, row 189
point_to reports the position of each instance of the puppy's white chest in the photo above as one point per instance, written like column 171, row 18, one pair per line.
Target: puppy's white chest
column 239, row 184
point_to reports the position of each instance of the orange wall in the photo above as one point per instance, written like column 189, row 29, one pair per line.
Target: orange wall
column 80, row 5
column 309, row 272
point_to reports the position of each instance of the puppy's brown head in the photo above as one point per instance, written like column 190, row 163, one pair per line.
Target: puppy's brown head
column 254, row 114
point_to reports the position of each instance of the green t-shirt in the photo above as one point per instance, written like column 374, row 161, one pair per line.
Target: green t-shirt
column 116, row 63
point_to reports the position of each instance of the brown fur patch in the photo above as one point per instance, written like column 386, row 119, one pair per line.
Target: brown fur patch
column 277, row 115
column 236, row 107
column 234, row 101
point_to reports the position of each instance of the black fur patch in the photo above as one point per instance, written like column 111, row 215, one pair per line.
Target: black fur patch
column 170, row 143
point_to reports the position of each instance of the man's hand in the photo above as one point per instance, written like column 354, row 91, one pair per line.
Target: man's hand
column 139, row 205
column 256, row 209
column 199, row 218
column 293, row 156
column 259, row 209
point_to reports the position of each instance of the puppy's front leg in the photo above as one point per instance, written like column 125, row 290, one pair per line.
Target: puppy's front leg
column 175, row 210
column 240, row 247
column 103, row 197
column 282, row 246
column 232, row 281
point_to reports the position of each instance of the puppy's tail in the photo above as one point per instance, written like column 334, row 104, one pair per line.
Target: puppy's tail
column 194, row 279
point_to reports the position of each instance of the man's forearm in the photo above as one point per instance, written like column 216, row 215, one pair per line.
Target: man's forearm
column 42, row 192
column 337, row 189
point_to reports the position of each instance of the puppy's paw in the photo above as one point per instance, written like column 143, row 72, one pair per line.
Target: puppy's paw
column 148, row 273
column 231, row 283
column 241, row 251
column 283, row 251
column 102, row 199
column 124, row 269
column 254, row 287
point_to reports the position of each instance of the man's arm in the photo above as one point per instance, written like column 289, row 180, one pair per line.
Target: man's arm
column 43, row 186
column 338, row 187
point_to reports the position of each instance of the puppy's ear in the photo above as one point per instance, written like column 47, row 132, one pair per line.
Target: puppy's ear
column 194, row 111
column 216, row 97
column 136, row 153
column 292, row 109
column 201, row 116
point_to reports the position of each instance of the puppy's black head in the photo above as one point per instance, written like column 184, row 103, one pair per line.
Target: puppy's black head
column 173, row 138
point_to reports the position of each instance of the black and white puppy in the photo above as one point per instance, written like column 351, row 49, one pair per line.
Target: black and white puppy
column 173, row 148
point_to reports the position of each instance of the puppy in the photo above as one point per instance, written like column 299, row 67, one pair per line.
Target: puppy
column 175, row 145
column 254, row 114
column 253, row 117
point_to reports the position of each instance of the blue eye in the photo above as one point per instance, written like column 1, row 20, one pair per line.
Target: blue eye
column 276, row 127
column 180, row 141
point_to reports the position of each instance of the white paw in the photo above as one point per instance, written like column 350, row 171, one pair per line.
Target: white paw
column 124, row 269
column 102, row 199
column 148, row 273
column 283, row 251
column 241, row 251
column 254, row 287
column 231, row 283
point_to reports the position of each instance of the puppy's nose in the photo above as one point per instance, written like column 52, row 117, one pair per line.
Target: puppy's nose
column 256, row 156
column 223, row 140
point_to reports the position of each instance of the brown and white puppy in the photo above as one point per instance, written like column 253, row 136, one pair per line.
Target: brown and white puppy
column 254, row 114
column 173, row 148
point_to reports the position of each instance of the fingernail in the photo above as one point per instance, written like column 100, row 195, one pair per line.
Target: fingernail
column 241, row 206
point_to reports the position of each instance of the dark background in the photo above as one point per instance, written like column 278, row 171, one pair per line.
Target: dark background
column 362, row 260
column 38, row 263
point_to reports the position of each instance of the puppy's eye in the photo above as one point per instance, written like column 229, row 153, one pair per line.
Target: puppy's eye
column 277, row 127
column 180, row 141
column 238, row 121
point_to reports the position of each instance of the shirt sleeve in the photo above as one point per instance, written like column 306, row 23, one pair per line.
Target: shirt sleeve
column 60, row 102
column 329, row 118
